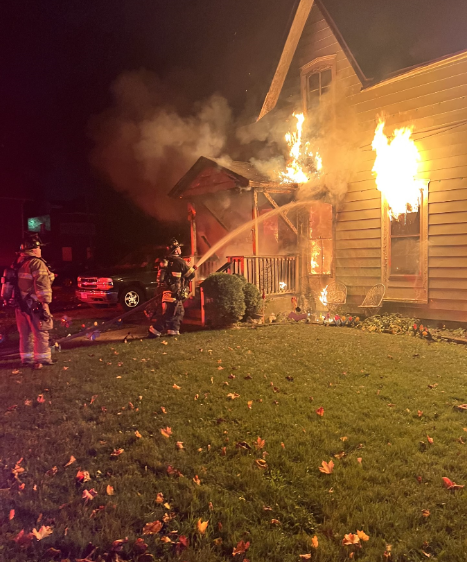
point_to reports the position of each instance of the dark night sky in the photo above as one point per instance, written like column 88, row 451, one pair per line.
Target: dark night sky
column 58, row 59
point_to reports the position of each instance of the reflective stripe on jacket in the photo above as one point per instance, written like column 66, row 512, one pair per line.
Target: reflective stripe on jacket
column 35, row 279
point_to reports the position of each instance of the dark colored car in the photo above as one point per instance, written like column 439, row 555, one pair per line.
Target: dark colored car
column 131, row 282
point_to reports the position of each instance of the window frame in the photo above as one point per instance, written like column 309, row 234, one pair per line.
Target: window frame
column 319, row 64
column 415, row 286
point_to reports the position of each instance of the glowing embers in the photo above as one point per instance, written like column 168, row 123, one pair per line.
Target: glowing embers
column 396, row 169
column 303, row 162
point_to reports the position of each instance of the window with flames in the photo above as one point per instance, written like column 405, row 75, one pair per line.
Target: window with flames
column 320, row 238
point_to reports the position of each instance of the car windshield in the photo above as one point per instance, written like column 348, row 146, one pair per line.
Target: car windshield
column 136, row 260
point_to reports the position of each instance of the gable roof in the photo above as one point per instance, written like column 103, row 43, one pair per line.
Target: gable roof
column 210, row 175
column 294, row 35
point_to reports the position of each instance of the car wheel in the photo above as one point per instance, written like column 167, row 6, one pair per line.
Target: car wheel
column 131, row 297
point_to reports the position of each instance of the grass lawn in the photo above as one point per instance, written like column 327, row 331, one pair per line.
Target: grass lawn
column 241, row 449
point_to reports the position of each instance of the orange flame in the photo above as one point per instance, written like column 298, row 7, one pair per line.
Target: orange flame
column 299, row 155
column 315, row 257
column 324, row 296
column 396, row 169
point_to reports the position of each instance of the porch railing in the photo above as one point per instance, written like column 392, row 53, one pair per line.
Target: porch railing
column 271, row 274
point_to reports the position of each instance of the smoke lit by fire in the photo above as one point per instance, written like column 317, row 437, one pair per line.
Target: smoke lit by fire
column 396, row 168
column 303, row 163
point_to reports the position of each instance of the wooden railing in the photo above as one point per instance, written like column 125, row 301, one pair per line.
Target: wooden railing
column 271, row 274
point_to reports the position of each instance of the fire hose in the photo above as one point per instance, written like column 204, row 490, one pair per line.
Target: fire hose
column 90, row 331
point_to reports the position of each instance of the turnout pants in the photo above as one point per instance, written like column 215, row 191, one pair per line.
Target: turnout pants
column 171, row 318
column 33, row 344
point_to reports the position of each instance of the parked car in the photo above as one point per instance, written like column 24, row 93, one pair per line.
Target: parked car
column 129, row 283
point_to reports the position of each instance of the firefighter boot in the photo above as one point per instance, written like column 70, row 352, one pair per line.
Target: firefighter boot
column 153, row 333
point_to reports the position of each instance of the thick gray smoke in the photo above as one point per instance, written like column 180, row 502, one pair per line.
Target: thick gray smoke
column 331, row 130
column 143, row 147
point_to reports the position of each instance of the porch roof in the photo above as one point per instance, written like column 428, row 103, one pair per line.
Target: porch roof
column 210, row 175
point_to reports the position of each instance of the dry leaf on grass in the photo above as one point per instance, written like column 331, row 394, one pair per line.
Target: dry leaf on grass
column 260, row 463
column 314, row 542
column 362, row 535
column 138, row 435
column 117, row 452
column 160, row 497
column 327, row 467
column 152, row 528
column 260, row 443
column 110, row 490
column 196, row 480
column 429, row 439
column 350, row 539
column 320, row 411
column 89, row 495
column 82, row 476
column 233, row 395
column 202, row 526
column 426, row 512
column 71, row 461
column 176, row 386
column 179, row 445
column 241, row 548
column 450, row 485
column 166, row 432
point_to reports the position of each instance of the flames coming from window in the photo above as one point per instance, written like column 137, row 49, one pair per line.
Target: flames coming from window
column 303, row 162
column 396, row 169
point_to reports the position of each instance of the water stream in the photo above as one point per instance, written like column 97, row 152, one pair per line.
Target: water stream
column 248, row 225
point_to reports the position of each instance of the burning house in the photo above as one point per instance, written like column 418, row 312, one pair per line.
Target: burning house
column 400, row 220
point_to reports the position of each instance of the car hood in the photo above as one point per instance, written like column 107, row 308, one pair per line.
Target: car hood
column 115, row 272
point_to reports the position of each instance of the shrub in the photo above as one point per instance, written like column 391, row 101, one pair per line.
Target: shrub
column 252, row 299
column 225, row 299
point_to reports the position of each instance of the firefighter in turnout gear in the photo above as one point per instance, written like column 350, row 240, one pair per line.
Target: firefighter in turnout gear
column 173, row 280
column 33, row 316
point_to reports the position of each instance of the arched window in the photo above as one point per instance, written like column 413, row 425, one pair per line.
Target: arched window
column 316, row 79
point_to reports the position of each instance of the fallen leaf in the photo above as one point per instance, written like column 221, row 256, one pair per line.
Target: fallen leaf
column 429, row 439
column 152, row 528
column 462, row 406
column 327, row 467
column 12, row 514
column 275, row 522
column 166, row 540
column 23, row 539
column 138, row 434
column 359, row 460
column 93, row 398
column 343, row 438
column 28, row 402
column 243, row 445
column 362, row 535
column 89, row 495
column 116, row 452
column 164, row 411
column 139, row 546
column 340, row 455
column 52, row 472
column 166, row 432
column 282, row 445
column 163, row 342
column 241, row 548
column 314, row 542
column 420, row 413
column 233, row 395
column 202, row 526
column 260, row 463
column 117, row 545
column 71, row 461
column 450, row 485
column 82, row 476
column 350, row 539
column 305, row 556
column 260, row 443
column 179, row 445
column 320, row 411
column 110, row 490
column 160, row 497
column 196, row 480
column 426, row 512
column 176, row 387
column 40, row 399
column 250, row 404
column 217, row 541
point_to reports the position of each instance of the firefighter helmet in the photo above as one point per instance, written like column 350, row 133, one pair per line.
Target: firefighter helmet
column 173, row 244
column 31, row 242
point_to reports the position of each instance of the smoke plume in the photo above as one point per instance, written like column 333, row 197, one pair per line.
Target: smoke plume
column 143, row 146
column 331, row 130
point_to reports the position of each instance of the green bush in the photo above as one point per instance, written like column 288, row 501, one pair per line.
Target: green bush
column 252, row 299
column 225, row 301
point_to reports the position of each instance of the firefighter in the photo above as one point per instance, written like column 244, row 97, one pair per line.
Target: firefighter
column 33, row 317
column 173, row 280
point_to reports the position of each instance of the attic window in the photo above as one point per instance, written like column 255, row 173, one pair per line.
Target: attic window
column 316, row 78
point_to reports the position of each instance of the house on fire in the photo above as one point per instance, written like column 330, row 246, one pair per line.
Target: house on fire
column 420, row 255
